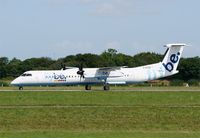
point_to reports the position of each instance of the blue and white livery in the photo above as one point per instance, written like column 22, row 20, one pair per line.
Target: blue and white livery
column 105, row 76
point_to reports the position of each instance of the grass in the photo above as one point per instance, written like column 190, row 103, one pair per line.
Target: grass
column 100, row 135
column 100, row 98
column 99, row 114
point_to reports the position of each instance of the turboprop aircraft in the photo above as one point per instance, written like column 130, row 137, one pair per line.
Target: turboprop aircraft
column 106, row 75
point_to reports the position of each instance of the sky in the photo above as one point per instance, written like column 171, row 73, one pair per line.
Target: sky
column 58, row 28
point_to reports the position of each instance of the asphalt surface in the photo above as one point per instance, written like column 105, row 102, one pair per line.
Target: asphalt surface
column 150, row 90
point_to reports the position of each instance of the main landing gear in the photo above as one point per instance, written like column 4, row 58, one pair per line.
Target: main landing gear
column 88, row 87
column 106, row 87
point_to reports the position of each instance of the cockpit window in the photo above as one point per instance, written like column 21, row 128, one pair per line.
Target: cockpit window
column 26, row 74
column 23, row 75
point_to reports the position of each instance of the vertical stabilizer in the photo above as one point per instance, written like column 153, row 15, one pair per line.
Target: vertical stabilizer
column 172, row 58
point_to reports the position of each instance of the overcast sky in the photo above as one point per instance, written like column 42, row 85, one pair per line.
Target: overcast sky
column 57, row 28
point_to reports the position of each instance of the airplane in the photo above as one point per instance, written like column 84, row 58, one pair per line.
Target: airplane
column 106, row 75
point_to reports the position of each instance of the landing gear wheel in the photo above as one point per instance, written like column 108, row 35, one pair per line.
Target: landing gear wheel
column 106, row 87
column 88, row 88
column 20, row 88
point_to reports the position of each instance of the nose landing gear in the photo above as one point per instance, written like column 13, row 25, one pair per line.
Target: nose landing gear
column 20, row 88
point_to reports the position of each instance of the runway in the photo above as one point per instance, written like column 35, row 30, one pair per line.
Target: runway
column 151, row 90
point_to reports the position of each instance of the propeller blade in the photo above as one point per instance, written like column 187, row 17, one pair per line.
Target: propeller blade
column 81, row 71
column 63, row 66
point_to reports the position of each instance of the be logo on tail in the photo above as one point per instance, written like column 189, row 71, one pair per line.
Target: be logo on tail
column 174, row 58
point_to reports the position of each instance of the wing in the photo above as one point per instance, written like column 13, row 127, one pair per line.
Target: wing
column 106, row 72
column 111, row 68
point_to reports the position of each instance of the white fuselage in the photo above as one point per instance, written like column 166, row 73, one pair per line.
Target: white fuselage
column 91, row 76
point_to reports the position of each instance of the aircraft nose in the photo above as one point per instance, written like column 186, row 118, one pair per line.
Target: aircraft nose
column 14, row 82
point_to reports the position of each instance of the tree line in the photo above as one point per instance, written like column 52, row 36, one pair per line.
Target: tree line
column 189, row 67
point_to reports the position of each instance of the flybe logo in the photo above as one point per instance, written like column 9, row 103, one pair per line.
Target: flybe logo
column 59, row 77
column 174, row 58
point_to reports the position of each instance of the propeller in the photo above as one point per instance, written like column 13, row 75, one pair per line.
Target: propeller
column 81, row 71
